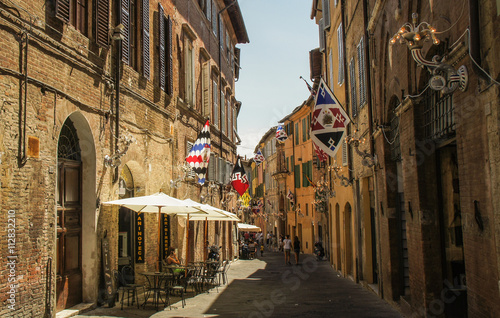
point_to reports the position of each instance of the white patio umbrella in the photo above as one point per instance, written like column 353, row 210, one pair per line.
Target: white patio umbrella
column 212, row 214
column 248, row 227
column 158, row 203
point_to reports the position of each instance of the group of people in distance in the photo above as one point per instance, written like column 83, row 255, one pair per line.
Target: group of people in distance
column 255, row 242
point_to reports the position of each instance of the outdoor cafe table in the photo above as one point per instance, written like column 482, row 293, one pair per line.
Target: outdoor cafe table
column 155, row 281
column 170, row 270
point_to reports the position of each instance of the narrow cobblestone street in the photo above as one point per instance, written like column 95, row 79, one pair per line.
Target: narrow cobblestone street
column 266, row 287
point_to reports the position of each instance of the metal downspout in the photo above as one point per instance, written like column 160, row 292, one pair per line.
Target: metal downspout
column 372, row 142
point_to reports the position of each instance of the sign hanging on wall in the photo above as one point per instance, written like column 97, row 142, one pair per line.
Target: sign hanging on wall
column 139, row 237
column 165, row 234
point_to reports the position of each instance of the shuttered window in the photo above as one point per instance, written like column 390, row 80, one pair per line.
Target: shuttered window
column 361, row 73
column 205, row 86
column 62, row 10
column 352, row 83
column 304, row 128
column 161, row 39
column 102, row 23
column 145, row 39
column 125, row 21
column 296, row 171
column 214, row 17
column 169, row 58
column 326, row 14
column 223, row 112
column 340, row 47
column 229, row 120
column 297, row 133
column 189, row 145
column 212, row 163
column 74, row 12
column 237, row 63
column 215, row 98
column 221, row 34
column 321, row 27
column 189, row 71
column 330, row 67
column 344, row 154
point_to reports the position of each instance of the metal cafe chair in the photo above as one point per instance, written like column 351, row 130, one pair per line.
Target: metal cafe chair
column 131, row 290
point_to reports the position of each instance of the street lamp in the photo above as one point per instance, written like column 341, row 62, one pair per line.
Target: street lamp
column 444, row 77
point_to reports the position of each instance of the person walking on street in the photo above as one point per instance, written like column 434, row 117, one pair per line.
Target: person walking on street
column 287, row 246
column 296, row 249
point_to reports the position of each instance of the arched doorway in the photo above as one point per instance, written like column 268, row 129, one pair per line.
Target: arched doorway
column 348, row 239
column 76, row 281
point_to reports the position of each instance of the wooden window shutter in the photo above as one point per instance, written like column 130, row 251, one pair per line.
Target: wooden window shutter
column 125, row 20
column 161, row 36
column 315, row 62
column 102, row 21
column 237, row 62
column 145, row 39
column 62, row 10
column 352, row 75
column 170, row 72
column 211, row 167
column 321, row 28
column 340, row 46
column 326, row 14
column 205, row 86
column 344, row 154
column 361, row 73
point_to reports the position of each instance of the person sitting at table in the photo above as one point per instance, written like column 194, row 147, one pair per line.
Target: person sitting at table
column 172, row 258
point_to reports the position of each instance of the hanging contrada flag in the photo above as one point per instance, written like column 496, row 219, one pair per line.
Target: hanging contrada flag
column 245, row 199
column 239, row 179
column 199, row 155
column 322, row 156
column 281, row 135
column 329, row 121
column 259, row 157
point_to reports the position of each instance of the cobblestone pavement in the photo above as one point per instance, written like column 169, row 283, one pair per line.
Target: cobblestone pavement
column 267, row 287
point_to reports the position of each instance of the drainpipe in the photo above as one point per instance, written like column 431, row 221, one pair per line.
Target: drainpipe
column 117, row 100
column 372, row 142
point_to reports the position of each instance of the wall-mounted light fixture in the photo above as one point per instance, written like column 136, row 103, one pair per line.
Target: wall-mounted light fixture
column 115, row 159
column 344, row 181
column 444, row 77
column 368, row 160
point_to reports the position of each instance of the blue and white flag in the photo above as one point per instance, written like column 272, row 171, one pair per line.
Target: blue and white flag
column 281, row 135
column 259, row 157
column 199, row 155
column 329, row 121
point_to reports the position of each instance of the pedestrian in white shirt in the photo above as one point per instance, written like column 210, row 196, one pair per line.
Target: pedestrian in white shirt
column 287, row 246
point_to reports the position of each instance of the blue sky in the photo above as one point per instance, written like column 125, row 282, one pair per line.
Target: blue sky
column 281, row 35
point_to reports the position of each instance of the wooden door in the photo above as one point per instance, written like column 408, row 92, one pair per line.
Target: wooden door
column 69, row 234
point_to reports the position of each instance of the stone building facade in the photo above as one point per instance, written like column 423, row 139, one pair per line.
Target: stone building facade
column 100, row 100
column 425, row 179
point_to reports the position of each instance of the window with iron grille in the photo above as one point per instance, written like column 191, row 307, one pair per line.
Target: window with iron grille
column 439, row 119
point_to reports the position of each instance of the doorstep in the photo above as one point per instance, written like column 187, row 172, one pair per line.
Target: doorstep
column 75, row 310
